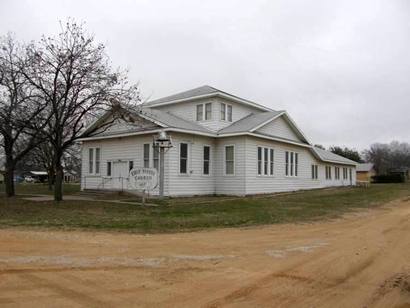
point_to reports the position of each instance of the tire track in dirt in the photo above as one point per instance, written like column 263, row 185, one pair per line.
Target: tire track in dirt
column 69, row 293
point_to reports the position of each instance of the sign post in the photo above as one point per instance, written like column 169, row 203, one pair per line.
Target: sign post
column 144, row 179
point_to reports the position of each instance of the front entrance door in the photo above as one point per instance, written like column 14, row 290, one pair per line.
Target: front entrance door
column 120, row 175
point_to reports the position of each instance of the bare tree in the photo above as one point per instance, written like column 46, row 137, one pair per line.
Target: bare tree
column 387, row 157
column 73, row 75
column 20, row 110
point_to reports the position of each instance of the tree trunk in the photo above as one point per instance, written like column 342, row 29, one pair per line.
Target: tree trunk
column 9, row 174
column 9, row 182
column 58, row 185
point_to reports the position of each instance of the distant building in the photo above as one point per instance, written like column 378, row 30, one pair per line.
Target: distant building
column 364, row 172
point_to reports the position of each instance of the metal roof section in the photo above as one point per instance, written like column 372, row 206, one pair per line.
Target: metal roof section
column 328, row 156
column 366, row 167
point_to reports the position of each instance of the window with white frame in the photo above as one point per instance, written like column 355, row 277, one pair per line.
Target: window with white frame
column 337, row 173
column 314, row 172
column 155, row 158
column 291, row 163
column 146, row 155
column 229, row 113
column 183, row 158
column 260, row 160
column 344, row 173
column 350, row 174
column 208, row 111
column 229, row 160
column 94, row 159
column 109, row 165
column 200, row 112
column 91, row 160
column 328, row 170
column 226, row 112
column 223, row 111
column 207, row 159
column 265, row 161
column 271, row 160
column 204, row 112
column 97, row 160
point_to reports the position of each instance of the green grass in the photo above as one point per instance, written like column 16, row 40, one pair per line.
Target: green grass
column 184, row 214
column 39, row 188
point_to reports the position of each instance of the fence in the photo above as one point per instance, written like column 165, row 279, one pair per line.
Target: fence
column 112, row 183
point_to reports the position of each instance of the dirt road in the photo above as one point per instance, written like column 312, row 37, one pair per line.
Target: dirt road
column 362, row 260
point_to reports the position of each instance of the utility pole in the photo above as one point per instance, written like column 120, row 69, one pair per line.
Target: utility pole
column 162, row 143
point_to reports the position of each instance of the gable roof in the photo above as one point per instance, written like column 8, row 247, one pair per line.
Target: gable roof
column 253, row 122
column 202, row 92
column 366, row 167
column 328, row 156
column 249, row 122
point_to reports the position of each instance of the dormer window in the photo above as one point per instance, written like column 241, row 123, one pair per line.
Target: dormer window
column 226, row 112
column 204, row 109
column 199, row 112
column 208, row 111
column 229, row 113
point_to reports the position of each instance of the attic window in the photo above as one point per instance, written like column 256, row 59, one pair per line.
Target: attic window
column 199, row 112
column 226, row 112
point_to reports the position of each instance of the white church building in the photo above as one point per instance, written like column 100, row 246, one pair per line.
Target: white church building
column 222, row 144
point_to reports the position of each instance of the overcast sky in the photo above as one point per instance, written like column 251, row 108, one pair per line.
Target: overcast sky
column 340, row 68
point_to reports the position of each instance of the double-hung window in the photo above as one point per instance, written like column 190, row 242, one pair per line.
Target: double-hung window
column 271, row 161
column 155, row 157
column 265, row 161
column 208, row 111
column 337, row 173
column 328, row 172
column 223, row 111
column 200, row 112
column 94, row 160
column 183, row 158
column 91, row 160
column 97, row 160
column 229, row 111
column 146, row 155
column 226, row 112
column 229, row 160
column 109, row 165
column 259, row 160
column 344, row 173
column 291, row 163
column 207, row 159
column 314, row 172
column 204, row 112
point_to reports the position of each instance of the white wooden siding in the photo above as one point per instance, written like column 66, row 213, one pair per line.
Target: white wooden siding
column 256, row 184
column 244, row 181
column 280, row 128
